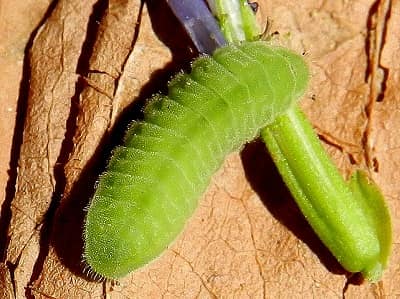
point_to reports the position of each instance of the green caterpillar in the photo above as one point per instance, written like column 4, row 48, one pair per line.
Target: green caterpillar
column 153, row 182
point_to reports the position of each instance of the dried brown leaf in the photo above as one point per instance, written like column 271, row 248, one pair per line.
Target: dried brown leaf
column 116, row 72
column 247, row 239
column 52, row 77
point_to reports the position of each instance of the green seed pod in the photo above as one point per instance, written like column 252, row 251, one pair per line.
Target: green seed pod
column 153, row 182
column 351, row 218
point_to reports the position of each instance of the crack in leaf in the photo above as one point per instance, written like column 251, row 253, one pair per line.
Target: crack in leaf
column 204, row 284
column 350, row 149
column 259, row 264
column 376, row 75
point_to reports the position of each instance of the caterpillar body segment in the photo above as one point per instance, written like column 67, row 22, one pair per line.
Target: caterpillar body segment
column 154, row 181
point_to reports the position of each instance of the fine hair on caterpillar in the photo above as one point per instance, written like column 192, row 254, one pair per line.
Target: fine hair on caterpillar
column 153, row 181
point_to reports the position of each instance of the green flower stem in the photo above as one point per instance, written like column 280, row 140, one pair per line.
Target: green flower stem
column 236, row 19
column 350, row 218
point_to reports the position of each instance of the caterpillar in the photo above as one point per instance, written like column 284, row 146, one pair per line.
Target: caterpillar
column 152, row 183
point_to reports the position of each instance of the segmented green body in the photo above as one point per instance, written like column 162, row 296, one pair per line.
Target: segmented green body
column 153, row 182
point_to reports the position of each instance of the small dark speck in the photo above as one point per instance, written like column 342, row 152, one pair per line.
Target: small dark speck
column 375, row 164
column 253, row 6
column 313, row 97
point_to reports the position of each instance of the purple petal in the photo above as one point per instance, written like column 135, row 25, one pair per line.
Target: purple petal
column 199, row 23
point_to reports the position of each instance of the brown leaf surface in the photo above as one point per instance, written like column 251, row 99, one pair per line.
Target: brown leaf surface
column 247, row 239
column 52, row 78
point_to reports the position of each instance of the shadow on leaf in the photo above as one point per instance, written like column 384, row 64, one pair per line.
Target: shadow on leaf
column 68, row 226
column 266, row 181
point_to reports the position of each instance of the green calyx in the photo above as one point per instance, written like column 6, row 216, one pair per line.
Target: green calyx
column 350, row 218
column 236, row 19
